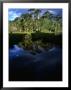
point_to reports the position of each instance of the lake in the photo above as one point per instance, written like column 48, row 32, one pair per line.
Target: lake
column 41, row 65
column 35, row 57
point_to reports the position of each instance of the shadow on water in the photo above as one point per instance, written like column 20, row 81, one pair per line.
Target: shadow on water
column 35, row 61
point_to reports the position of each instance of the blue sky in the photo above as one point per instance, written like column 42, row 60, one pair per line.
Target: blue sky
column 13, row 13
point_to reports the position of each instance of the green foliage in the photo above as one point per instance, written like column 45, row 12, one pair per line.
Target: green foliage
column 33, row 21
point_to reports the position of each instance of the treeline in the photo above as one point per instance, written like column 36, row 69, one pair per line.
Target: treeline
column 35, row 21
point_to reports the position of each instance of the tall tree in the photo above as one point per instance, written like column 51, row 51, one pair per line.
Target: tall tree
column 35, row 16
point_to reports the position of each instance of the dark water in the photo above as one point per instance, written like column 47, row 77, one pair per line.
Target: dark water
column 43, row 66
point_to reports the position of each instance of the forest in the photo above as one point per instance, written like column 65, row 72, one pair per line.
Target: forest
column 33, row 21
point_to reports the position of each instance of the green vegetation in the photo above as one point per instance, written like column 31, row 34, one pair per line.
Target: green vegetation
column 33, row 21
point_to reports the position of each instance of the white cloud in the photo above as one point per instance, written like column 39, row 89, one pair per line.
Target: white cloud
column 51, row 11
column 12, row 15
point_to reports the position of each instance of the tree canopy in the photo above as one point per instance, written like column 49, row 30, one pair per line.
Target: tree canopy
column 33, row 21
